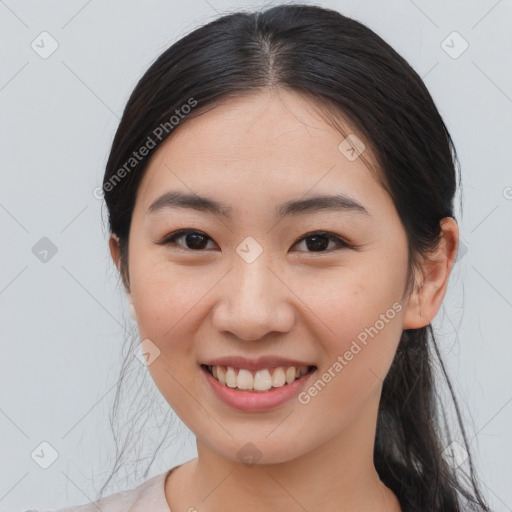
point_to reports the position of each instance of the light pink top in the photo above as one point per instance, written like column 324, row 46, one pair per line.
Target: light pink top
column 147, row 497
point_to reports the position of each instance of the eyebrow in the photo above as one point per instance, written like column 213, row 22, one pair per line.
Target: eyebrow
column 338, row 202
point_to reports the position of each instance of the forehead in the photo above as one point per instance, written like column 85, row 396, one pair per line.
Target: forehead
column 275, row 144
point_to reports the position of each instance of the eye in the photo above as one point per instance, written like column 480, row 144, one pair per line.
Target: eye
column 319, row 241
column 194, row 240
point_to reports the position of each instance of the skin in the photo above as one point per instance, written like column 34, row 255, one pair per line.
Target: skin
column 252, row 153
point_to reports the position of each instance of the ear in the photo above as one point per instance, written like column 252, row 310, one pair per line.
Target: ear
column 113, row 243
column 426, row 299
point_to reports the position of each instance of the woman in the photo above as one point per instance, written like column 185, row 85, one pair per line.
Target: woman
column 280, row 194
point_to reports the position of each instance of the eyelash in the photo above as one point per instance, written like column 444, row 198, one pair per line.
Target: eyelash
column 342, row 244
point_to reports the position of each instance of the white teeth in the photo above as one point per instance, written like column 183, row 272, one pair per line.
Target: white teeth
column 278, row 378
column 245, row 379
column 262, row 380
column 231, row 378
column 290, row 374
column 221, row 374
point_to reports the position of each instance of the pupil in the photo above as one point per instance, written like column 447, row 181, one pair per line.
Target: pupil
column 198, row 241
column 319, row 242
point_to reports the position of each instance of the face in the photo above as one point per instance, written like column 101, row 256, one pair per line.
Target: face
column 255, row 278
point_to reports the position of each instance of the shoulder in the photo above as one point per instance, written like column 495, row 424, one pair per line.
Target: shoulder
column 149, row 494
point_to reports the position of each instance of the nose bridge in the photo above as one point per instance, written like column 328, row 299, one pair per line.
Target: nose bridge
column 253, row 286
column 253, row 300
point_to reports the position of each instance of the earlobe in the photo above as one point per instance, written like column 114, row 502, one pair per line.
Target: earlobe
column 133, row 313
column 413, row 318
column 426, row 299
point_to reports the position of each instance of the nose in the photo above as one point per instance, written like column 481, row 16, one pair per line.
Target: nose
column 253, row 301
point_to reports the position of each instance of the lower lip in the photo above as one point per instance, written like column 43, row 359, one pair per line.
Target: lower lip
column 256, row 401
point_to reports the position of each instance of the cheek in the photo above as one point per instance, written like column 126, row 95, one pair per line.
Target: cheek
column 168, row 312
column 166, row 296
column 347, row 303
column 358, row 349
column 361, row 321
column 171, row 304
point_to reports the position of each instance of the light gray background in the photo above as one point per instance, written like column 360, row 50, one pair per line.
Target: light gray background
column 62, row 321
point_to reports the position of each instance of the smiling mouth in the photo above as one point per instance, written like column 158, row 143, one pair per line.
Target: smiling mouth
column 257, row 381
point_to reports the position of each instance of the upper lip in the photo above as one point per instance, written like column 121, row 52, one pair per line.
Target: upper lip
column 256, row 364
